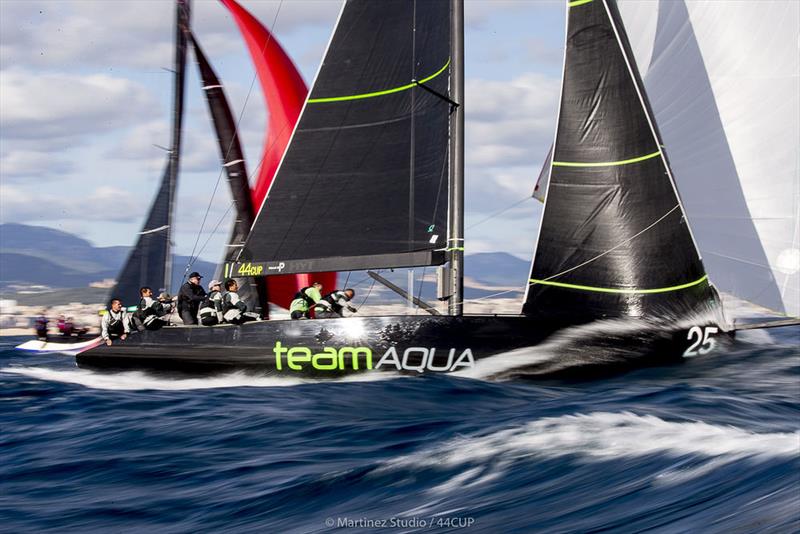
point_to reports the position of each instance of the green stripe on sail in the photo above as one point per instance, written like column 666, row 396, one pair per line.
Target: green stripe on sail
column 625, row 291
column 379, row 93
column 606, row 163
column 579, row 3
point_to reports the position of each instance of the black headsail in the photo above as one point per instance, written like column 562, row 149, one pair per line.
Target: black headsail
column 252, row 290
column 150, row 261
column 364, row 181
column 614, row 240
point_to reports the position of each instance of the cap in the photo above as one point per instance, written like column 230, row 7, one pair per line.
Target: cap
column 213, row 283
column 195, row 274
column 164, row 296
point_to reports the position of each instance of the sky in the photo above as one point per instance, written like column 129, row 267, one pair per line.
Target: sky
column 85, row 103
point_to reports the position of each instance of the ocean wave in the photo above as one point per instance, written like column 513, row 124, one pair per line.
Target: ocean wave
column 602, row 436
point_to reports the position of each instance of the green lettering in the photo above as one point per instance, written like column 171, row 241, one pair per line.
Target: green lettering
column 354, row 352
column 330, row 355
column 278, row 349
column 291, row 357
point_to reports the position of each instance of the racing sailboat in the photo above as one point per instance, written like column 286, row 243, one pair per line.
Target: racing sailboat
column 383, row 128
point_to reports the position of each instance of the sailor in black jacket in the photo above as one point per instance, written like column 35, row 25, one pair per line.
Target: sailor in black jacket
column 190, row 296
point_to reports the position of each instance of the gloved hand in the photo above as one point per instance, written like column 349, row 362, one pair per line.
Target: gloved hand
column 352, row 309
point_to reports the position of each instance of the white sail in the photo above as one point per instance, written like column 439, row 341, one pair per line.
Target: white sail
column 724, row 83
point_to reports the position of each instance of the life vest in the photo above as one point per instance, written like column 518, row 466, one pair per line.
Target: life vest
column 115, row 324
column 210, row 312
column 330, row 302
column 149, row 310
column 233, row 307
column 303, row 296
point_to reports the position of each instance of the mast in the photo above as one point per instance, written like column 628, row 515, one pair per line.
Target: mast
column 149, row 262
column 455, row 243
column 182, row 14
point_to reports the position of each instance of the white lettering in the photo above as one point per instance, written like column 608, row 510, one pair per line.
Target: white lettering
column 446, row 367
column 390, row 356
column 411, row 350
column 465, row 360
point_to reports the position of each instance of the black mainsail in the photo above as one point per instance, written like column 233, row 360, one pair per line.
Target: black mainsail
column 614, row 240
column 251, row 290
column 370, row 150
column 149, row 263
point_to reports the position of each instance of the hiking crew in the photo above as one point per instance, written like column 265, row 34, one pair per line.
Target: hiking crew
column 151, row 313
column 234, row 310
column 304, row 300
column 211, row 308
column 114, row 324
column 331, row 305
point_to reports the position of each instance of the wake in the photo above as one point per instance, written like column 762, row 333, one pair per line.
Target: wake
column 137, row 380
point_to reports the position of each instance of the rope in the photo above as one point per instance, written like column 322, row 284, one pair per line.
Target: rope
column 628, row 240
column 495, row 214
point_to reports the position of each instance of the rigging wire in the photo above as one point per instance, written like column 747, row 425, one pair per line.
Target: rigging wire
column 590, row 260
column 500, row 212
column 192, row 257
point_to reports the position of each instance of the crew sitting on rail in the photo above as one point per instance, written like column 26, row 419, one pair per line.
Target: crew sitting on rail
column 151, row 314
column 234, row 310
column 114, row 324
column 304, row 300
column 331, row 305
column 211, row 308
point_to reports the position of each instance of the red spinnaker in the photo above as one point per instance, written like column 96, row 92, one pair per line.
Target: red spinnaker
column 284, row 94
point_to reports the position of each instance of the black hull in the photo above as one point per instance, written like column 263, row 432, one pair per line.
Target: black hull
column 334, row 347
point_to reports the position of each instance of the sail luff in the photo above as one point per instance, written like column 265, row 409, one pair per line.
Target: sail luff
column 630, row 62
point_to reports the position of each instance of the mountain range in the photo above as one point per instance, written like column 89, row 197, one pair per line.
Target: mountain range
column 36, row 255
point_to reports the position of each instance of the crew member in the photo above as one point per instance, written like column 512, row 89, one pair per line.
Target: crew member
column 211, row 308
column 151, row 314
column 304, row 300
column 114, row 324
column 41, row 326
column 190, row 296
column 331, row 305
column 234, row 310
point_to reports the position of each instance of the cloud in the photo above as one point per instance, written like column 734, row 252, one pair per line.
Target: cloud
column 21, row 165
column 122, row 34
column 23, row 204
column 37, row 105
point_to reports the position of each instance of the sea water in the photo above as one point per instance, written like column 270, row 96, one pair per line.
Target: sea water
column 709, row 445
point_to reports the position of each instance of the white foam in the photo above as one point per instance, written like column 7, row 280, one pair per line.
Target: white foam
column 135, row 380
column 603, row 436
column 552, row 350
